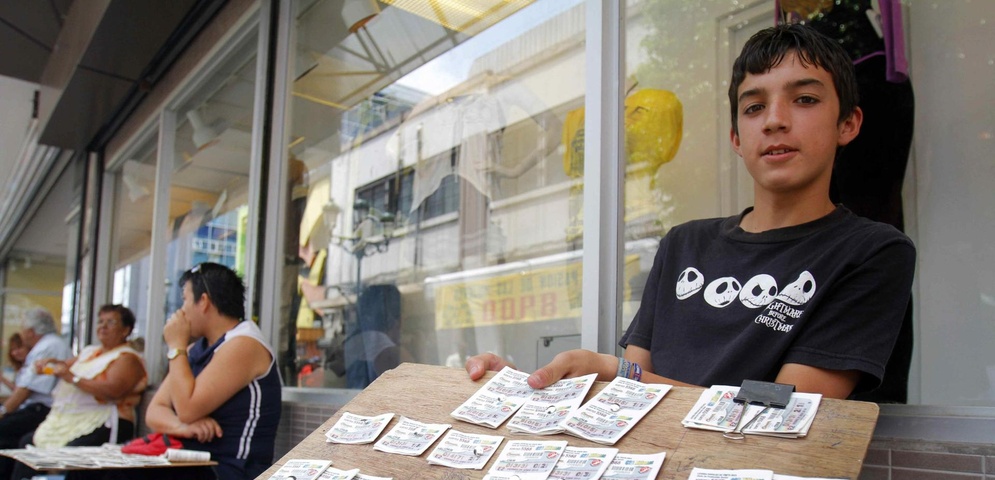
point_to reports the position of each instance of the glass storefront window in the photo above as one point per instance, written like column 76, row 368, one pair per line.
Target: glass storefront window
column 434, row 212
column 131, row 240
column 679, row 166
column 208, row 193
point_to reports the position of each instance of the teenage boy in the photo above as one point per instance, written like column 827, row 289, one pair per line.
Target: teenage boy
column 795, row 289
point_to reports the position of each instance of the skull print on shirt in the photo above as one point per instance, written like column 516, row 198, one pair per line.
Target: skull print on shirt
column 781, row 307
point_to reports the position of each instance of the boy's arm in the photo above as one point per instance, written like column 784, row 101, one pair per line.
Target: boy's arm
column 830, row 383
column 641, row 356
column 805, row 378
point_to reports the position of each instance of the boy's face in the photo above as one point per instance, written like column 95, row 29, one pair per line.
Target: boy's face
column 789, row 129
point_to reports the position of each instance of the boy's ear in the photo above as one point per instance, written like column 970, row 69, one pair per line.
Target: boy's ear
column 734, row 139
column 850, row 127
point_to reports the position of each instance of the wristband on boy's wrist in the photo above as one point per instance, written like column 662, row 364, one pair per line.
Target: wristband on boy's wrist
column 623, row 367
column 630, row 370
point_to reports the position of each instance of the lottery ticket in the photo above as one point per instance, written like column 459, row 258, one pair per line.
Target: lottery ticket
column 465, row 450
column 578, row 463
column 410, row 437
column 546, row 409
column 742, row 474
column 356, row 429
column 336, row 474
column 614, row 410
column 634, row 467
column 301, row 469
column 497, row 400
column 526, row 460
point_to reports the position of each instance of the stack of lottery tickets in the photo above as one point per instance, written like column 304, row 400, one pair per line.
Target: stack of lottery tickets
column 357, row 429
column 546, row 409
column 716, row 410
column 410, row 437
column 465, row 450
column 497, row 400
column 615, row 410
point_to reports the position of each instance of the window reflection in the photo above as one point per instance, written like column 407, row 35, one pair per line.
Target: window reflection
column 208, row 204
column 132, row 238
column 429, row 187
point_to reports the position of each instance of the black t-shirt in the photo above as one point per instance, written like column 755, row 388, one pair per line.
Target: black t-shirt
column 722, row 305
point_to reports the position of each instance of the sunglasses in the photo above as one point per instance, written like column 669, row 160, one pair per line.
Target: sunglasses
column 201, row 274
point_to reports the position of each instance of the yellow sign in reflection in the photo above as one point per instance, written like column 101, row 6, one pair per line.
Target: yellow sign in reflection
column 540, row 294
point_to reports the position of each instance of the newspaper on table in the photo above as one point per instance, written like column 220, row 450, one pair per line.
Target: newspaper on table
column 742, row 474
column 497, row 400
column 106, row 456
column 626, row 466
column 716, row 410
column 357, row 429
column 526, row 460
column 360, row 476
column 410, row 437
column 301, row 469
column 583, row 463
column 614, row 410
column 546, row 409
column 331, row 473
column 465, row 450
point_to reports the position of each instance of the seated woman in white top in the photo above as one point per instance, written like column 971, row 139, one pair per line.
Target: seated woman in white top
column 95, row 401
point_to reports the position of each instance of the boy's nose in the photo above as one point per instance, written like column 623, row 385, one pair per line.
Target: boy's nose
column 777, row 118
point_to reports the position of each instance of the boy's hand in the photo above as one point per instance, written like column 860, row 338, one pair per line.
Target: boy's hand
column 574, row 363
column 477, row 365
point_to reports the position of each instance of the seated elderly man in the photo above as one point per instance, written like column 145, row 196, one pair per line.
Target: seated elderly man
column 32, row 399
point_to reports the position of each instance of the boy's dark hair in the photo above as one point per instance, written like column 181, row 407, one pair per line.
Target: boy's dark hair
column 221, row 284
column 766, row 48
column 124, row 313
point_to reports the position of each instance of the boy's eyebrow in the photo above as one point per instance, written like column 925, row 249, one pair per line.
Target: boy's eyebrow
column 804, row 82
column 753, row 92
column 791, row 85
